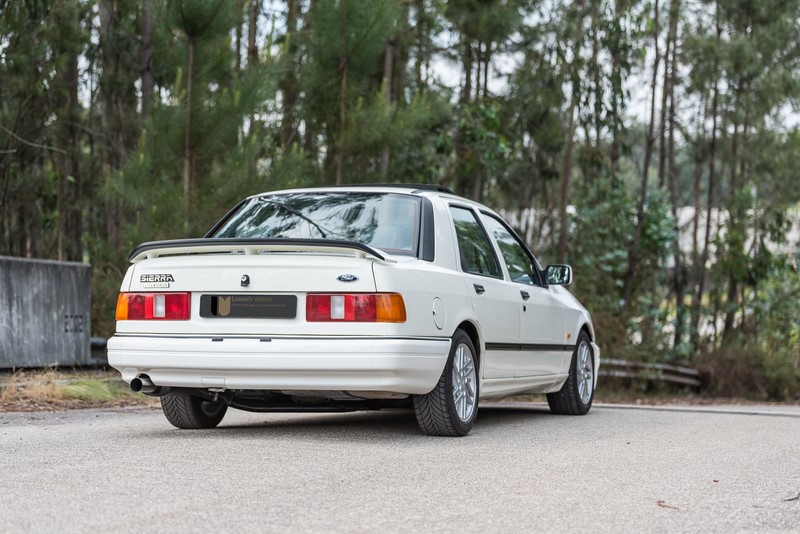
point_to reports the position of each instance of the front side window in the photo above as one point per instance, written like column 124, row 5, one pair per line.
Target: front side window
column 386, row 221
column 477, row 256
column 519, row 263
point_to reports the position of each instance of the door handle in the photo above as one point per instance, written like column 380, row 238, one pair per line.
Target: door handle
column 479, row 289
column 525, row 295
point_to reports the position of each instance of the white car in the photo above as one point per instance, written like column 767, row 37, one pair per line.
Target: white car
column 352, row 298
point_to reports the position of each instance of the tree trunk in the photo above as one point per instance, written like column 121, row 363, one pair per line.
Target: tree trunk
column 734, row 226
column 662, row 136
column 569, row 145
column 238, row 38
column 478, row 65
column 466, row 93
column 421, row 36
column 343, row 61
column 737, row 218
column 566, row 175
column 678, row 279
column 633, row 252
column 148, row 81
column 310, row 127
column 465, row 99
column 401, row 57
column 388, row 82
column 698, row 296
column 598, row 86
column 111, row 159
column 620, row 6
column 696, row 270
column 289, row 81
column 252, row 27
column 487, row 61
column 66, row 161
column 188, row 156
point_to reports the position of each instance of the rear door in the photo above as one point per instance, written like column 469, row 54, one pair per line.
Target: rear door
column 496, row 302
column 543, row 320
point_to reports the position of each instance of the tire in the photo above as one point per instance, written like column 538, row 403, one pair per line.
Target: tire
column 451, row 407
column 577, row 393
column 188, row 412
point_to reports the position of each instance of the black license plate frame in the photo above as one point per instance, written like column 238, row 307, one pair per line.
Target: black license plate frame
column 248, row 306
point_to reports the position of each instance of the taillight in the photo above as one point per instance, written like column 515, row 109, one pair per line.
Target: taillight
column 159, row 306
column 356, row 307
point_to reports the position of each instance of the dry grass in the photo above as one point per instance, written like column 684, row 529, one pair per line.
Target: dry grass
column 54, row 389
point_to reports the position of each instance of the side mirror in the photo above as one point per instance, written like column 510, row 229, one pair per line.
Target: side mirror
column 558, row 275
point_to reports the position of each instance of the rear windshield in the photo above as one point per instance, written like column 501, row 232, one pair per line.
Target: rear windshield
column 386, row 221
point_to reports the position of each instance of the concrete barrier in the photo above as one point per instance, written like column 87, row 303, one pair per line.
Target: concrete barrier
column 45, row 314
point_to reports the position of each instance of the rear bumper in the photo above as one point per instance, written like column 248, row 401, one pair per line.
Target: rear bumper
column 396, row 365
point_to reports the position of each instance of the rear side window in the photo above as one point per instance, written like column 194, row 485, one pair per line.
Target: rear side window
column 386, row 221
column 477, row 256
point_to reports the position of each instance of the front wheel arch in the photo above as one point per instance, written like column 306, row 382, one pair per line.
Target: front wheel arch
column 596, row 357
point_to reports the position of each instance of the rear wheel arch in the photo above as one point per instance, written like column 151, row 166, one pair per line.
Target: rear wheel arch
column 471, row 330
column 451, row 407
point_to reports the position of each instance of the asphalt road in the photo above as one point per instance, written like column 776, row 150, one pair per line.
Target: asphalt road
column 725, row 469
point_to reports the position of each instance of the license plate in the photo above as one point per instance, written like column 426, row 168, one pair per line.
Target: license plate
column 248, row 306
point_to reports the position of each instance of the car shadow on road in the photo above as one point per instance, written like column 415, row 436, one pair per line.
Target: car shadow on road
column 356, row 426
column 364, row 426
column 350, row 425
column 497, row 414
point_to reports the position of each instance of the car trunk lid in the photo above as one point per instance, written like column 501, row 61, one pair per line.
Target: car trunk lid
column 257, row 289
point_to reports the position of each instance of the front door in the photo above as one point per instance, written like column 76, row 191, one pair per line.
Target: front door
column 542, row 319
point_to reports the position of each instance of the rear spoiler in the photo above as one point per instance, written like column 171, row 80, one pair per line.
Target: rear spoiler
column 155, row 249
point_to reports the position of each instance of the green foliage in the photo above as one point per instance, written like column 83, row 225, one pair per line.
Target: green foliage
column 603, row 228
column 762, row 361
column 484, row 147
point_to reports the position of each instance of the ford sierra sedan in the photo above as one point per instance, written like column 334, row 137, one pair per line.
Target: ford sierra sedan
column 352, row 298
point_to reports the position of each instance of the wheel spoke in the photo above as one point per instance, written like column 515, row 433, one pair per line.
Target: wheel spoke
column 463, row 382
column 584, row 372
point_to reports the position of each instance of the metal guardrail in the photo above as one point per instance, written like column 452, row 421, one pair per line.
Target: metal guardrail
column 660, row 372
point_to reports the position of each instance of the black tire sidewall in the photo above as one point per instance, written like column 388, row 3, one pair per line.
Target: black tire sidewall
column 582, row 407
column 461, row 427
column 207, row 420
column 218, row 411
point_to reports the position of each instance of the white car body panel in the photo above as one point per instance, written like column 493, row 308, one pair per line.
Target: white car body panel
column 373, row 358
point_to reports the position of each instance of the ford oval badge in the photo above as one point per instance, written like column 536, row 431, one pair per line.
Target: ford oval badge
column 347, row 278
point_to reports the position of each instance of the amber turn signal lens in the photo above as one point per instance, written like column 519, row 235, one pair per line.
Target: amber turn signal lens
column 122, row 307
column 390, row 308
